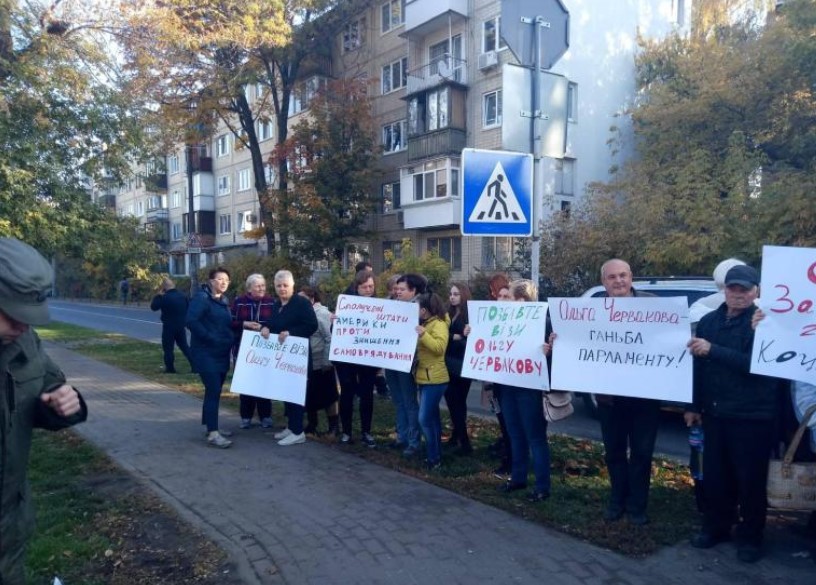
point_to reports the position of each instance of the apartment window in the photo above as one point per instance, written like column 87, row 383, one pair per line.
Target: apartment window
column 304, row 93
column 175, row 199
column 392, row 250
column 431, row 184
column 354, row 35
column 176, row 231
column 224, row 185
column 565, row 177
column 497, row 253
column 395, row 75
column 390, row 194
column 428, row 112
column 140, row 208
column 449, row 51
column 246, row 221
column 449, row 249
column 572, row 102
column 395, row 136
column 243, row 180
column 259, row 90
column 173, row 164
column 224, row 224
column 269, row 175
column 177, row 264
column 154, row 202
column 222, row 145
column 393, row 15
column 491, row 37
column 492, row 109
column 264, row 130
column 566, row 208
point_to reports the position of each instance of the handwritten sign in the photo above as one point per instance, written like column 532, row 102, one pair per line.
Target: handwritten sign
column 268, row 369
column 375, row 332
column 630, row 346
column 785, row 341
column 505, row 344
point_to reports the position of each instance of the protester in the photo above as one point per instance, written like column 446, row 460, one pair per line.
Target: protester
column 291, row 315
column 124, row 290
column 210, row 324
column 430, row 373
column 357, row 380
column 523, row 410
column 458, row 388
column 627, row 425
column 173, row 306
column 499, row 290
column 402, row 384
column 321, row 389
column 248, row 312
column 35, row 394
column 738, row 411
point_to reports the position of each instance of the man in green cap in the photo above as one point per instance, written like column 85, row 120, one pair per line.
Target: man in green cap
column 34, row 394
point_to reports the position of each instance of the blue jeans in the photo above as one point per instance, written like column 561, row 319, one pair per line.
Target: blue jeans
column 213, row 382
column 404, row 394
column 524, row 415
column 430, row 395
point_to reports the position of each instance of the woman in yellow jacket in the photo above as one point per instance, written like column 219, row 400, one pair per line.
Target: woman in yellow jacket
column 430, row 372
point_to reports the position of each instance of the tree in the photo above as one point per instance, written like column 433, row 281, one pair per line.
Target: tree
column 330, row 158
column 725, row 135
column 206, row 52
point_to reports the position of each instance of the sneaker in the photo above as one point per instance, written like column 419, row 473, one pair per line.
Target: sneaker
column 502, row 472
column 266, row 422
column 246, row 423
column 282, row 434
column 292, row 439
column 345, row 439
column 410, row 451
column 368, row 440
column 216, row 439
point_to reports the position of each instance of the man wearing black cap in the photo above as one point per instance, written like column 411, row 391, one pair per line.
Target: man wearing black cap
column 34, row 394
column 737, row 410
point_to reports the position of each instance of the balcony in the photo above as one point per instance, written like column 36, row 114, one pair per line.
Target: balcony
column 449, row 141
column 432, row 213
column 157, row 214
column 156, row 182
column 158, row 232
column 423, row 17
column 436, row 73
column 108, row 201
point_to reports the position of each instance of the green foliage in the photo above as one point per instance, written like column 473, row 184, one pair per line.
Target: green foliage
column 331, row 154
column 725, row 134
column 429, row 264
column 240, row 267
column 335, row 284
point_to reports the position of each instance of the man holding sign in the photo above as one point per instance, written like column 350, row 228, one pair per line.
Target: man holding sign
column 738, row 411
column 627, row 423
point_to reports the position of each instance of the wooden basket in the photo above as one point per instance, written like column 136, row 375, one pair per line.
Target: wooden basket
column 792, row 486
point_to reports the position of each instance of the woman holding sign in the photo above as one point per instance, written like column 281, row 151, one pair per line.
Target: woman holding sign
column 459, row 387
column 291, row 315
column 430, row 372
column 523, row 410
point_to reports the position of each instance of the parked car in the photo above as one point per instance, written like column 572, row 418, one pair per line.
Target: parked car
column 691, row 287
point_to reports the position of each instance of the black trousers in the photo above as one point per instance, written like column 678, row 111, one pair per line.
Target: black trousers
column 248, row 404
column 629, row 424
column 356, row 380
column 170, row 338
column 735, row 462
column 456, row 398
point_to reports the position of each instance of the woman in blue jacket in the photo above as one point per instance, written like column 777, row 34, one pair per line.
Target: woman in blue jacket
column 210, row 324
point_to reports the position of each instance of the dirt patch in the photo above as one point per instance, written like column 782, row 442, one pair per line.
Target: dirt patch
column 151, row 544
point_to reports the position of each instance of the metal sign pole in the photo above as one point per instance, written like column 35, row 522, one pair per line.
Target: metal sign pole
column 535, row 146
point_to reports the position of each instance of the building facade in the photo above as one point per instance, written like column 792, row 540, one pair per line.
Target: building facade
column 434, row 69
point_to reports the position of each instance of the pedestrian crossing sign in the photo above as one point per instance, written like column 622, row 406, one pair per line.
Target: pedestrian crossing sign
column 497, row 193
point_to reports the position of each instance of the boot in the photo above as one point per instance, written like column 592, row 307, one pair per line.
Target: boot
column 334, row 425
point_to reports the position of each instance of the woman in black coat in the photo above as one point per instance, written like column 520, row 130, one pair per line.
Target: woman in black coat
column 291, row 315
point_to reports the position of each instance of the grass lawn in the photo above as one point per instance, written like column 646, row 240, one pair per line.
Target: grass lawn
column 579, row 480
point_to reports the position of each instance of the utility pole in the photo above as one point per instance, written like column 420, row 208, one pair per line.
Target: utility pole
column 193, row 244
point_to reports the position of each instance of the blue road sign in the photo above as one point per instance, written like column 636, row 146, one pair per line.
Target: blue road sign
column 497, row 193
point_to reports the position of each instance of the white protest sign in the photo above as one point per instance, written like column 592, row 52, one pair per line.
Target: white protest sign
column 505, row 344
column 268, row 369
column 626, row 346
column 375, row 332
column 785, row 341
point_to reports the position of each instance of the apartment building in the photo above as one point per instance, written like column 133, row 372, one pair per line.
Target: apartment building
column 434, row 69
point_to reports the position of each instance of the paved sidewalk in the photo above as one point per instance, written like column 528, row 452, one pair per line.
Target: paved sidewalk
column 309, row 514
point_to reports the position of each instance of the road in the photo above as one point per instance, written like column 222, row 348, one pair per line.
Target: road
column 142, row 323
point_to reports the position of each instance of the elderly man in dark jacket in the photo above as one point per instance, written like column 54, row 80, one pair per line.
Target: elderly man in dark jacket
column 34, row 394
column 173, row 306
column 738, row 410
